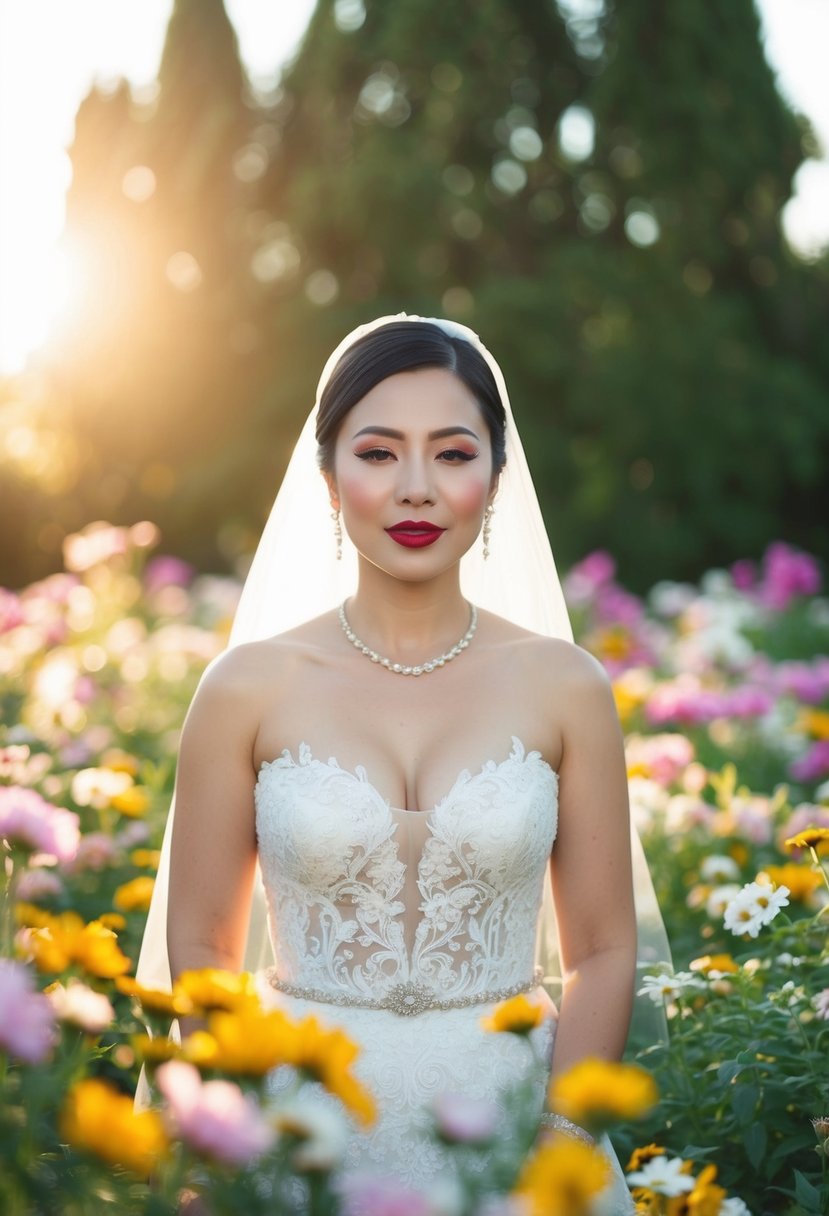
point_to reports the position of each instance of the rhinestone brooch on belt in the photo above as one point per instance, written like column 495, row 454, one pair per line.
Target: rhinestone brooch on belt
column 407, row 999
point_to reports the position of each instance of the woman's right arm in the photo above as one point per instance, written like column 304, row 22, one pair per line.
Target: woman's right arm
column 213, row 856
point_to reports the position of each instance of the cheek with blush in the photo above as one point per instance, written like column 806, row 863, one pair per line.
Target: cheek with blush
column 359, row 495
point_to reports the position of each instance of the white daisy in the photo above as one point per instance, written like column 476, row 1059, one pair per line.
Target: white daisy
column 663, row 1175
column 668, row 987
column 754, row 906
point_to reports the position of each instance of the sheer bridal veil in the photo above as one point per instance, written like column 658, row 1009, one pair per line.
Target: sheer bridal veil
column 295, row 576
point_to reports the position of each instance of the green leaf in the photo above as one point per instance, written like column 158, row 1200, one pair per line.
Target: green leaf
column 806, row 1193
column 744, row 1099
column 728, row 1071
column 755, row 1140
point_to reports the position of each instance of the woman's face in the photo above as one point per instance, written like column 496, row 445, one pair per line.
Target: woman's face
column 413, row 472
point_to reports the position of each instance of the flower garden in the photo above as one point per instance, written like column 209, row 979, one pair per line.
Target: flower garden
column 723, row 691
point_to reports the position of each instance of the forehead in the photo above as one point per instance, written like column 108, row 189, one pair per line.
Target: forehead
column 427, row 399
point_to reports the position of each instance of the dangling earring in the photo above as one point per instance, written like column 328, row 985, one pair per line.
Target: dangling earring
column 488, row 513
column 338, row 534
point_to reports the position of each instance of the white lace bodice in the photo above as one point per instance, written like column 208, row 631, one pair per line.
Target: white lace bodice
column 363, row 896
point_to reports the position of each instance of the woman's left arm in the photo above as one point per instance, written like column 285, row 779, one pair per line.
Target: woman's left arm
column 591, row 872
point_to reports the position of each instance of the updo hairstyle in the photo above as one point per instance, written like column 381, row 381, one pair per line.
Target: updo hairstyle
column 404, row 346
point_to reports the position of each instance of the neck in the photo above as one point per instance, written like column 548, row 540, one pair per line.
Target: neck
column 408, row 621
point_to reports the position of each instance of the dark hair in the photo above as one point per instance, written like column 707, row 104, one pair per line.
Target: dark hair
column 404, row 346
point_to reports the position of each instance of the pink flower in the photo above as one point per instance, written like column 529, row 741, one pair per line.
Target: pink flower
column 364, row 1193
column 744, row 575
column 11, row 614
column 95, row 851
column 35, row 885
column 27, row 1027
column 821, row 1003
column 82, row 1006
column 814, row 764
column 787, row 574
column 465, row 1120
column 664, row 756
column 214, row 1117
column 809, row 682
column 166, row 571
column 27, row 819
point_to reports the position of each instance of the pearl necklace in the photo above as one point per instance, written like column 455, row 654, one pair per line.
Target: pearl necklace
column 399, row 668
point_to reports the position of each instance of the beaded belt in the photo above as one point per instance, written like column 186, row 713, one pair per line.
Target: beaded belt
column 406, row 1000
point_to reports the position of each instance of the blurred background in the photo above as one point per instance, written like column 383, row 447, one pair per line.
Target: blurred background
column 619, row 197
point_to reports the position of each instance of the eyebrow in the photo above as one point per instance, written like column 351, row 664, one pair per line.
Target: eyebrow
column 389, row 433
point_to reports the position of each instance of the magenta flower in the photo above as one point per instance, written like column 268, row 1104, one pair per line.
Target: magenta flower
column 744, row 575
column 814, row 764
column 362, row 1193
column 465, row 1120
column 29, row 821
column 166, row 571
column 214, row 1117
column 787, row 575
column 809, row 682
column 27, row 1024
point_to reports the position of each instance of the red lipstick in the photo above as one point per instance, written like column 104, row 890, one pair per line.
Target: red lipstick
column 415, row 534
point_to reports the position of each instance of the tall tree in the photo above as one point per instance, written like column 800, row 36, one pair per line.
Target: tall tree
column 656, row 330
column 162, row 345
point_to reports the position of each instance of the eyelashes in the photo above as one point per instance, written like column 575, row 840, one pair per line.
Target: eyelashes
column 449, row 456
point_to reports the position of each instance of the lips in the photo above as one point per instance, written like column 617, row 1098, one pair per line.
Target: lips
column 415, row 534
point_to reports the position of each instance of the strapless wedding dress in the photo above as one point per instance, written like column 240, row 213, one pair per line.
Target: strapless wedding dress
column 405, row 927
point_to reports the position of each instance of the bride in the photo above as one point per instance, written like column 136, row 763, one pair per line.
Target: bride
column 400, row 748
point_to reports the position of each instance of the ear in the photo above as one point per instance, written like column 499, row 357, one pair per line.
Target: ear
column 333, row 494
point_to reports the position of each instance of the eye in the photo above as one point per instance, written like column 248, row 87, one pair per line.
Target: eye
column 376, row 455
column 456, row 456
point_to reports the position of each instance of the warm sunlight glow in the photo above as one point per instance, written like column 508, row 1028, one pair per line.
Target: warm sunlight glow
column 50, row 54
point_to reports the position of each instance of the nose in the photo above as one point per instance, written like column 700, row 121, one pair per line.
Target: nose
column 414, row 481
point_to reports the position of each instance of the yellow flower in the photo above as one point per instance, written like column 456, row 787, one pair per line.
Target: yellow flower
column 133, row 801
column 155, row 1000
column 249, row 1040
column 252, row 1041
column 327, row 1054
column 212, row 988
column 518, row 1015
column 30, row 915
column 801, row 880
column 119, row 761
column 715, row 962
column 157, row 1050
column 814, row 722
column 613, row 642
column 135, row 896
column 600, row 1090
column 98, row 1118
column 65, row 940
column 146, row 859
column 641, row 1156
column 706, row 1197
column 114, row 921
column 811, row 838
column 563, row 1178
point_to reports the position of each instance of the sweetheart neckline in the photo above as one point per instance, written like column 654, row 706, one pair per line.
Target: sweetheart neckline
column 517, row 754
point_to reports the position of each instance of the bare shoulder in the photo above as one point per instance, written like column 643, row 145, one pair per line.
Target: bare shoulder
column 247, row 676
column 553, row 663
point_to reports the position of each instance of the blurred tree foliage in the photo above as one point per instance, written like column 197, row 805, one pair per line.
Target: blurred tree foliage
column 595, row 187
